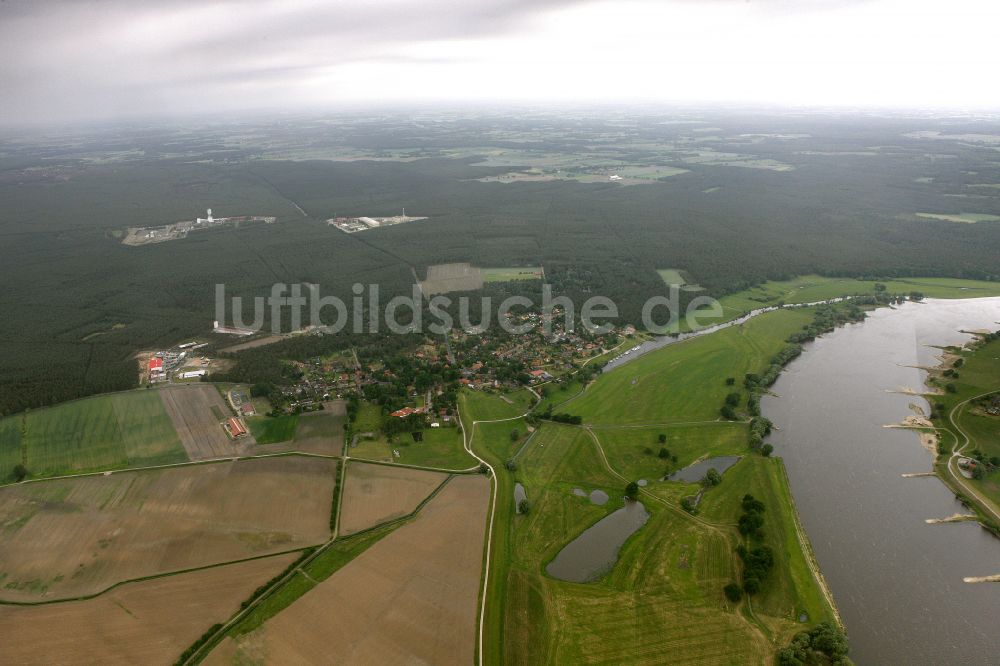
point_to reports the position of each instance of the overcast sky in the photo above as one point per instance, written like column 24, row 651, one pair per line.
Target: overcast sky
column 66, row 60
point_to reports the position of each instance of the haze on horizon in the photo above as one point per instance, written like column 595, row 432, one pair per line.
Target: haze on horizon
column 69, row 61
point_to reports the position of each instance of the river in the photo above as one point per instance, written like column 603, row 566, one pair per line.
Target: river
column 897, row 581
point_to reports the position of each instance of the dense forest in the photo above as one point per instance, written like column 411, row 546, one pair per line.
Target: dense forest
column 77, row 304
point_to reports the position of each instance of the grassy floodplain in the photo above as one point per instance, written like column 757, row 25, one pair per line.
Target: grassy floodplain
column 663, row 598
column 112, row 431
column 812, row 288
column 958, row 416
column 686, row 382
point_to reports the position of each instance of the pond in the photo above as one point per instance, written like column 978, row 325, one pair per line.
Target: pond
column 519, row 494
column 696, row 472
column 598, row 497
column 592, row 554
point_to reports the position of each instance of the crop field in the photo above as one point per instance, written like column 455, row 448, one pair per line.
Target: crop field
column 685, row 382
column 374, row 494
column 197, row 412
column 322, row 432
column 511, row 274
column 409, row 598
column 70, row 537
column 146, row 622
column 438, row 447
column 445, row 278
column 319, row 432
column 273, row 429
column 672, row 276
column 105, row 432
column 372, row 448
column 10, row 446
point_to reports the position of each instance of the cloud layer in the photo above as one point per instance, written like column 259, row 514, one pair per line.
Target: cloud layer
column 73, row 60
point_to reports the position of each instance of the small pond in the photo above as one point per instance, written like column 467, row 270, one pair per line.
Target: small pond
column 519, row 494
column 593, row 553
column 598, row 497
column 696, row 472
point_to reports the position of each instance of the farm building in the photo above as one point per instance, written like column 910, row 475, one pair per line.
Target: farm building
column 156, row 371
column 405, row 411
column 235, row 428
column 539, row 375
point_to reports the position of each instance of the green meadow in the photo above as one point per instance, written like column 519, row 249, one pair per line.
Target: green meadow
column 273, row 429
column 509, row 274
column 438, row 447
column 663, row 598
column 812, row 288
column 979, row 374
column 112, row 431
column 687, row 381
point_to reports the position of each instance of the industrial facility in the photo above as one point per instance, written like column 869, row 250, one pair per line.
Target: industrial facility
column 167, row 232
column 351, row 225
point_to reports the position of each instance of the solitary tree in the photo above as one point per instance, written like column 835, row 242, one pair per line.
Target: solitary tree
column 524, row 506
column 20, row 472
column 632, row 490
column 733, row 592
column 662, row 438
column 514, row 434
column 712, row 478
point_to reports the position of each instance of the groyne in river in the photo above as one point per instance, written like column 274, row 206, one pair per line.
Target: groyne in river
column 898, row 581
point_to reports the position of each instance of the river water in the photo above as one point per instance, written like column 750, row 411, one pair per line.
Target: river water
column 897, row 581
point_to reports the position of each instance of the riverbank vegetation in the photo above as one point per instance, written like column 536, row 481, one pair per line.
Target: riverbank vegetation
column 966, row 414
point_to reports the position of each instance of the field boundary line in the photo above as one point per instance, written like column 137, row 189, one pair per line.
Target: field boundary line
column 140, row 579
column 189, row 463
column 209, row 644
column 368, row 461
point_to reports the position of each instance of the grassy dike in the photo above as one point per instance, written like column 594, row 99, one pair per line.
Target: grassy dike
column 492, row 442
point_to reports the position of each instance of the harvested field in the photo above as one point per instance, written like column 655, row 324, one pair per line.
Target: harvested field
column 409, row 599
column 72, row 537
column 148, row 622
column 374, row 494
column 197, row 412
column 322, row 432
column 445, row 278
